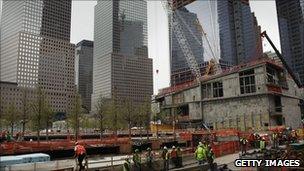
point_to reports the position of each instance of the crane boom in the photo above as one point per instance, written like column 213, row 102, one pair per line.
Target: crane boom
column 182, row 40
column 289, row 70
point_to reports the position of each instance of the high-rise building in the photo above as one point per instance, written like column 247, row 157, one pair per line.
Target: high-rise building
column 291, row 27
column 239, row 33
column 121, row 64
column 84, row 71
column 190, row 28
column 36, row 48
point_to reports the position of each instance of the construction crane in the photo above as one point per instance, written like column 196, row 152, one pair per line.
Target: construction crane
column 289, row 70
column 182, row 40
column 214, row 63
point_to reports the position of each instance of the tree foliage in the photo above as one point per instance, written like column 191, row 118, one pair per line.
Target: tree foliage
column 41, row 112
column 11, row 116
column 101, row 108
column 75, row 115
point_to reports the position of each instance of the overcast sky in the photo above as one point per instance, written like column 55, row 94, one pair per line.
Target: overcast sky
column 83, row 28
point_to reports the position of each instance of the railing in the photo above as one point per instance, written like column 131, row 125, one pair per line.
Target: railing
column 110, row 162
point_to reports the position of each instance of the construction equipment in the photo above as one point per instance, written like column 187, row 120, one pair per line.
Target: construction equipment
column 289, row 70
column 181, row 38
column 214, row 63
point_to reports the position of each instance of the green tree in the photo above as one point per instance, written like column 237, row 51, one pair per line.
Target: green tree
column 74, row 116
column 100, row 113
column 39, row 110
column 48, row 116
column 11, row 116
column 25, row 109
column 145, row 115
column 128, row 114
column 112, row 116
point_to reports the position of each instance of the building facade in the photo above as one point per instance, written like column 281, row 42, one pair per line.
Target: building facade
column 121, row 64
column 36, row 49
column 84, row 71
column 254, row 95
column 291, row 27
column 239, row 33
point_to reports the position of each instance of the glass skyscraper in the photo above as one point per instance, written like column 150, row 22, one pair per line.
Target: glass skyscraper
column 121, row 62
column 239, row 33
column 291, row 27
column 36, row 48
column 84, row 71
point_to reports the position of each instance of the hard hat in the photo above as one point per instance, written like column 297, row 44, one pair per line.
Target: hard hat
column 173, row 147
column 200, row 143
column 165, row 148
column 136, row 150
column 148, row 149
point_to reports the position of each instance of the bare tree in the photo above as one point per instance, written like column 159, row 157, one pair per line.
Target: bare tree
column 100, row 113
column 75, row 115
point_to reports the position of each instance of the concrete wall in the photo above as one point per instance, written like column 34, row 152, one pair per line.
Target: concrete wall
column 291, row 111
column 243, row 113
column 195, row 111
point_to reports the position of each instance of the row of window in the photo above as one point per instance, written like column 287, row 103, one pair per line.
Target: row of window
column 215, row 89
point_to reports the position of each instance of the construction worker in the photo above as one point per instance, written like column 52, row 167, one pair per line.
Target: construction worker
column 262, row 144
column 173, row 156
column 149, row 158
column 137, row 160
column 127, row 165
column 80, row 153
column 210, row 158
column 179, row 157
column 275, row 140
column 165, row 156
column 243, row 142
column 200, row 153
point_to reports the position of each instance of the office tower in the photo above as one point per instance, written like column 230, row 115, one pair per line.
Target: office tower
column 121, row 65
column 36, row 49
column 84, row 71
column 239, row 33
column 291, row 27
column 190, row 28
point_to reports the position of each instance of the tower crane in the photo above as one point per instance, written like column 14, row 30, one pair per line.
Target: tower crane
column 181, row 38
column 184, row 44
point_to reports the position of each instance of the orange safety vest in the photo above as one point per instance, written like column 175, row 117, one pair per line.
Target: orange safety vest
column 80, row 150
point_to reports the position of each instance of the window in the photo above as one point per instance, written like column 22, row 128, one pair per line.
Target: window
column 247, row 81
column 271, row 76
column 207, row 91
column 218, row 89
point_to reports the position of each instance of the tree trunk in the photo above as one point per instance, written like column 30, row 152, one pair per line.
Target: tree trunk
column 157, row 131
column 38, row 136
column 100, row 127
column 12, row 129
column 147, row 132
column 23, row 128
column 47, row 131
column 129, row 128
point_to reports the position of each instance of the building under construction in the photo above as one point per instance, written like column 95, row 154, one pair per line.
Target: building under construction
column 258, row 95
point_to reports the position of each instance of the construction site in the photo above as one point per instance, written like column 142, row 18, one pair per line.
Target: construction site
column 214, row 103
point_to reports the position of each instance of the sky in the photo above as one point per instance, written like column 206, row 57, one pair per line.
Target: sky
column 83, row 28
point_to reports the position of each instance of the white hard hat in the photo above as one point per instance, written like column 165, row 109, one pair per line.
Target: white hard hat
column 173, row 146
column 165, row 148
